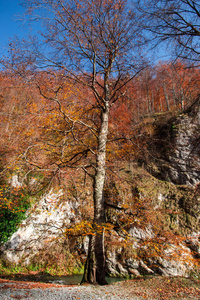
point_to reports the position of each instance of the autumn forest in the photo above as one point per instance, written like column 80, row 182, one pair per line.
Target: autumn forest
column 78, row 109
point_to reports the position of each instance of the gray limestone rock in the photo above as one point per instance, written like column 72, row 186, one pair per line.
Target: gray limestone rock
column 46, row 222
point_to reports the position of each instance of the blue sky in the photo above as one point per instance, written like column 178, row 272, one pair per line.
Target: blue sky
column 10, row 11
column 10, row 25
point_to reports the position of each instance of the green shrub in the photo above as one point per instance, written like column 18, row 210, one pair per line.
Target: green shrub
column 13, row 206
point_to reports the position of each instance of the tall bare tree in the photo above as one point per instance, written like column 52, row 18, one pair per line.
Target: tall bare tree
column 94, row 43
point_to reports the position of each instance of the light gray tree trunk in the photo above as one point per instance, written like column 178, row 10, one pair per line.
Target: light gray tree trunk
column 95, row 265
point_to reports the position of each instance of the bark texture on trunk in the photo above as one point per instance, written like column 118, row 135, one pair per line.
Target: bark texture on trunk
column 94, row 272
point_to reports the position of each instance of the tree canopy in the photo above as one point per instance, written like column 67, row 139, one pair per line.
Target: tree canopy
column 176, row 21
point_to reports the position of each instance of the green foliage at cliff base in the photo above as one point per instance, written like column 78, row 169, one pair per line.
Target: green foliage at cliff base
column 13, row 206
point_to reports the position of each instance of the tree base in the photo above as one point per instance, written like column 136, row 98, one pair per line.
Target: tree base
column 94, row 271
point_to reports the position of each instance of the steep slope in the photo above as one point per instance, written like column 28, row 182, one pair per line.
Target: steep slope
column 152, row 210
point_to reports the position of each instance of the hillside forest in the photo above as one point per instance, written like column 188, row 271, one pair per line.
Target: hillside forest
column 45, row 140
column 83, row 121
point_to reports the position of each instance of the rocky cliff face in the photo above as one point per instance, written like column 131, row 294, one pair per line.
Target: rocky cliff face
column 175, row 147
column 44, row 225
column 166, row 239
column 155, row 216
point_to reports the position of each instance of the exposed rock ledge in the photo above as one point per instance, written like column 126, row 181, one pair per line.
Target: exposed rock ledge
column 175, row 147
column 46, row 224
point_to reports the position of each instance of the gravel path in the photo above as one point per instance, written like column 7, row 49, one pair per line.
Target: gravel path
column 155, row 288
column 18, row 291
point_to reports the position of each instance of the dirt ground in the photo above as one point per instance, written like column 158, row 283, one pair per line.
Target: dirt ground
column 151, row 288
